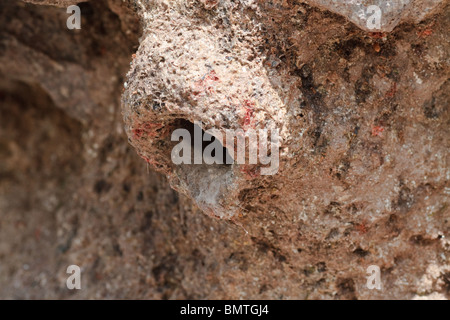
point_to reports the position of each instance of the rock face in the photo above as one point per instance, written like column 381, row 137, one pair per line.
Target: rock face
column 391, row 12
column 363, row 171
column 199, row 75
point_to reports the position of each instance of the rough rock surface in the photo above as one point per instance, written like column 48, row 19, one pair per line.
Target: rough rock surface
column 392, row 12
column 363, row 176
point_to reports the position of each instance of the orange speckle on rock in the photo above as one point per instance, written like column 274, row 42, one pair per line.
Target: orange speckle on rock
column 147, row 159
column 361, row 228
column 377, row 131
column 249, row 108
column 425, row 33
column 212, row 76
column 377, row 35
column 376, row 47
column 249, row 172
column 145, row 129
column 206, row 84
column 137, row 133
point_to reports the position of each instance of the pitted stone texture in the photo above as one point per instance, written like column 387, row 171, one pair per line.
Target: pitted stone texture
column 364, row 180
column 198, row 74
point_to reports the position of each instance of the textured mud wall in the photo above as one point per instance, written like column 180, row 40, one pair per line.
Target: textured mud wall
column 363, row 177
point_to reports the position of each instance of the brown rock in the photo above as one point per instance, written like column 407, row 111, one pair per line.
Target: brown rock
column 363, row 176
